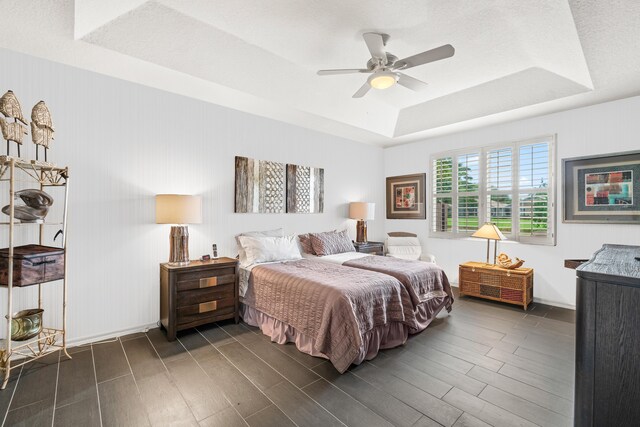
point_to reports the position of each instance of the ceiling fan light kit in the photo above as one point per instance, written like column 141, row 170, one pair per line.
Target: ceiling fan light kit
column 383, row 79
column 383, row 66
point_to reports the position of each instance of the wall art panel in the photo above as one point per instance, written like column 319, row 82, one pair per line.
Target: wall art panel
column 305, row 189
column 260, row 186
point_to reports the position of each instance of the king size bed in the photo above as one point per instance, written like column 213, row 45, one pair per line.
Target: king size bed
column 345, row 306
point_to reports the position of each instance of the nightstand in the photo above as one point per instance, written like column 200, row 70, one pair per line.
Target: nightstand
column 198, row 293
column 373, row 248
column 496, row 283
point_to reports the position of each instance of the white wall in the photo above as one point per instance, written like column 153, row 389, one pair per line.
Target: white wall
column 124, row 143
column 599, row 129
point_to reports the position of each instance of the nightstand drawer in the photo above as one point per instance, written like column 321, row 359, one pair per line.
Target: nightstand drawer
column 186, row 298
column 469, row 275
column 205, row 310
column 205, row 279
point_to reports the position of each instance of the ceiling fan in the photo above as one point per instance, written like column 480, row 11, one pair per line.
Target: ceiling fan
column 385, row 67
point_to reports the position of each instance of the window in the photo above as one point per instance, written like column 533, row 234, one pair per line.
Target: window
column 510, row 185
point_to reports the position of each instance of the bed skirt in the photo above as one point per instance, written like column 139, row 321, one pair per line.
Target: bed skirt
column 382, row 337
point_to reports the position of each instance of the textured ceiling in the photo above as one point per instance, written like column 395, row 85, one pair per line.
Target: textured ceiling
column 513, row 59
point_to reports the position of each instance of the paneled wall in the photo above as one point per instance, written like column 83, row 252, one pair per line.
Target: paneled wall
column 599, row 129
column 125, row 143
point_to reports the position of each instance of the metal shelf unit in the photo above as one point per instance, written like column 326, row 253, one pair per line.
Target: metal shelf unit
column 45, row 174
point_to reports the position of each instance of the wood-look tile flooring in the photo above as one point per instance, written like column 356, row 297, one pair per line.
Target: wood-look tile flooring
column 484, row 364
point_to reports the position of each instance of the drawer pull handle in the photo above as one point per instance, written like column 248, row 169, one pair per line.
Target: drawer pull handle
column 46, row 261
column 208, row 282
column 207, row 306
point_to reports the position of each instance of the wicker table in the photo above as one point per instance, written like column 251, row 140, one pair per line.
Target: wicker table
column 496, row 283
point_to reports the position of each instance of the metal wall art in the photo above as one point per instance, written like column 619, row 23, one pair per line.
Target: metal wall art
column 260, row 186
column 271, row 187
column 305, row 189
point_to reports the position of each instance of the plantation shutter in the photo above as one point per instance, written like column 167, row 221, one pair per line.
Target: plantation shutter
column 533, row 191
column 442, row 208
column 499, row 206
column 468, row 177
column 510, row 185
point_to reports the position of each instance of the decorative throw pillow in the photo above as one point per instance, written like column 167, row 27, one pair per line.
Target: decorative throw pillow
column 404, row 247
column 305, row 244
column 278, row 232
column 331, row 242
column 269, row 249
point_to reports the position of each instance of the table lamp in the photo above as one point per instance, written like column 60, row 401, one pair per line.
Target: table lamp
column 490, row 232
column 178, row 209
column 361, row 211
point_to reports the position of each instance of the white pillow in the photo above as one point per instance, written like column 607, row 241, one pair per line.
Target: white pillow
column 404, row 247
column 403, row 241
column 269, row 249
column 278, row 232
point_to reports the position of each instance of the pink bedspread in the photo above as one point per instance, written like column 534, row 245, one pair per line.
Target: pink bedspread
column 424, row 281
column 335, row 308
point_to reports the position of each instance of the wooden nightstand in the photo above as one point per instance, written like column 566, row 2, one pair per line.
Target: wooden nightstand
column 374, row 248
column 496, row 283
column 198, row 293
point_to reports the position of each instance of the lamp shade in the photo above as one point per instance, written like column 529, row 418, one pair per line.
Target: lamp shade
column 178, row 209
column 489, row 231
column 362, row 210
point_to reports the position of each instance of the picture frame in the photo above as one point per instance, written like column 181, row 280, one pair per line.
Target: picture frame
column 602, row 189
column 406, row 195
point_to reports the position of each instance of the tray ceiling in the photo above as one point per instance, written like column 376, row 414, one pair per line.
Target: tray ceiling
column 513, row 59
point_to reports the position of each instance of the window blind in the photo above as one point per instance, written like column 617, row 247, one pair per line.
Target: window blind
column 510, row 185
column 468, row 174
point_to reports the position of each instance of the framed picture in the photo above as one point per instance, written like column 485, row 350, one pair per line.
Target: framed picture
column 406, row 197
column 602, row 189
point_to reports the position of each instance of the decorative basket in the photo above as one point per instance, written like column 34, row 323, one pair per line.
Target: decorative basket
column 26, row 324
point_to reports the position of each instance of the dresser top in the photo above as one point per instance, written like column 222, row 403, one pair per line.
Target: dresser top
column 221, row 262
column 497, row 268
column 613, row 260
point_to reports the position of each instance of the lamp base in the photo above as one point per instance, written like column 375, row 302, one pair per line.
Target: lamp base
column 179, row 264
column 361, row 231
column 179, row 245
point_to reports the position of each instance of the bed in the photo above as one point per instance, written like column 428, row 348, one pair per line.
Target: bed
column 342, row 308
column 426, row 283
column 340, row 313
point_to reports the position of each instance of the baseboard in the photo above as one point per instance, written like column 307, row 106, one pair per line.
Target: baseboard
column 554, row 303
column 540, row 301
column 110, row 335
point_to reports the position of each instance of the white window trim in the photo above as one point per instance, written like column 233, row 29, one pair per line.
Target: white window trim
column 515, row 191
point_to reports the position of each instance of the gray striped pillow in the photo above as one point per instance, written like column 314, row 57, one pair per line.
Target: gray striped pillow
column 331, row 242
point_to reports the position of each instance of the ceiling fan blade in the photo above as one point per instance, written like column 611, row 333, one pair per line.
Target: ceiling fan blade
column 432, row 55
column 375, row 43
column 362, row 91
column 343, row 71
column 411, row 82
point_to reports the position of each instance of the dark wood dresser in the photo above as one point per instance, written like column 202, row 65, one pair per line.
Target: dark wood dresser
column 607, row 389
column 373, row 248
column 198, row 293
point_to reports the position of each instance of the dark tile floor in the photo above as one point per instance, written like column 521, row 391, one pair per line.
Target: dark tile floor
column 483, row 364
